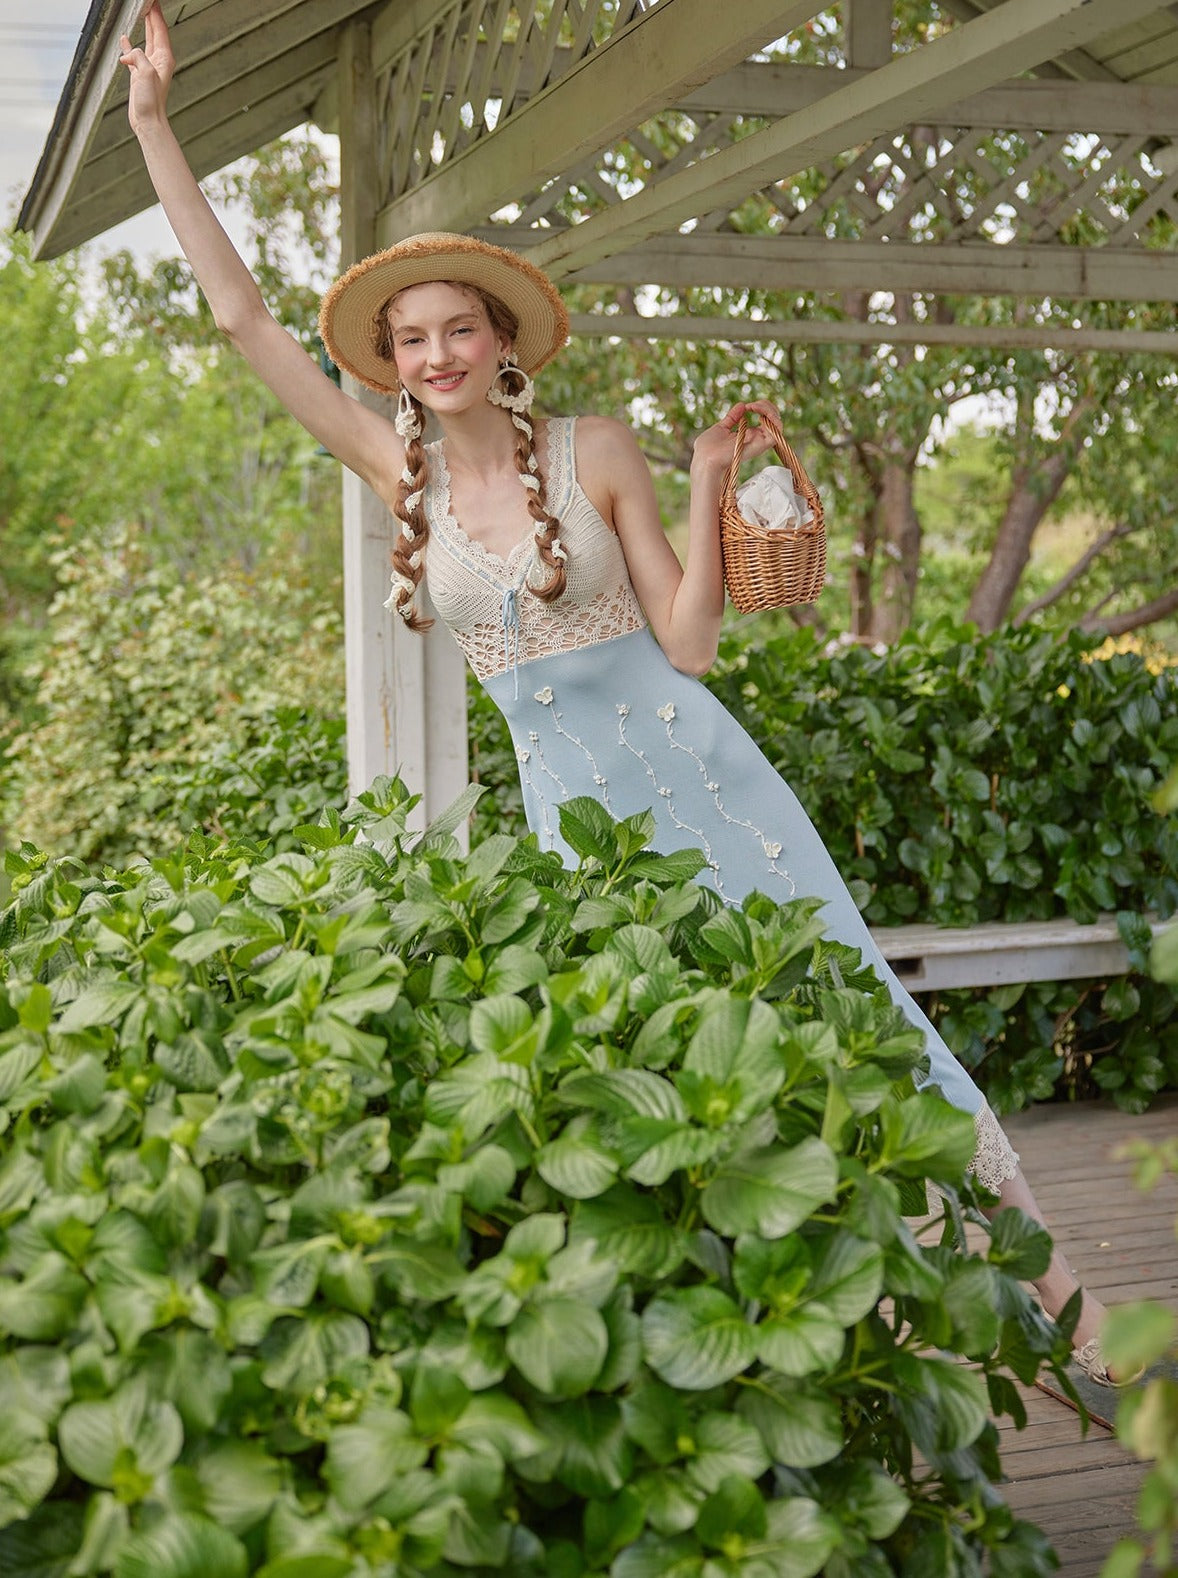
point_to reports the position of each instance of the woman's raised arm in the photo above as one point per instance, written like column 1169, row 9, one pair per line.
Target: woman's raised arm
column 363, row 440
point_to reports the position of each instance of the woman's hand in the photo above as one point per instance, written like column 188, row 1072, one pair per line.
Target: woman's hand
column 150, row 71
column 716, row 445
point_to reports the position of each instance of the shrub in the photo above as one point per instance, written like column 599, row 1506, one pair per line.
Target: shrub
column 146, row 673
column 371, row 1210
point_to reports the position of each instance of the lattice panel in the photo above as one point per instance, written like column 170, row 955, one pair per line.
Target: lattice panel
column 931, row 183
column 974, row 184
column 474, row 66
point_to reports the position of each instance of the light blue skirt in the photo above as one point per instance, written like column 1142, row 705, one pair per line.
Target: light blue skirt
column 617, row 722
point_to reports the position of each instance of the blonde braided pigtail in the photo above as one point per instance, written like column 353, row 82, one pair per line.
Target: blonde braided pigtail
column 409, row 552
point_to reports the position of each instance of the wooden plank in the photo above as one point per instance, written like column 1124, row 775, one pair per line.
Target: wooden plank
column 739, row 331
column 1082, row 1490
column 116, row 184
column 786, row 262
column 912, row 87
column 771, row 89
column 936, row 958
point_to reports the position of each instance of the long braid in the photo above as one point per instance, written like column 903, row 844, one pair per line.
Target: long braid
column 409, row 552
column 549, row 550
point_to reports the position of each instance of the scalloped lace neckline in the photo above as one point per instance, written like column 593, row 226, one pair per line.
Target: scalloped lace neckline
column 445, row 510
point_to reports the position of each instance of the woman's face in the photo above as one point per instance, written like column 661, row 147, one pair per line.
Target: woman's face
column 445, row 348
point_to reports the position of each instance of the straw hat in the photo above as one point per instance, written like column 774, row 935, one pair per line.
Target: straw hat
column 348, row 318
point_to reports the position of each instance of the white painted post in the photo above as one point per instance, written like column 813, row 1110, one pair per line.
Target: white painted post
column 406, row 693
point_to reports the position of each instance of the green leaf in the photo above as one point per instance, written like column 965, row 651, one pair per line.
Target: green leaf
column 696, row 1338
column 28, row 1466
column 366, row 1458
column 943, row 1405
column 1019, row 1244
column 498, row 1024
column 102, row 1004
column 625, row 1092
column 95, row 1436
column 800, row 1426
column 717, row 1446
column 240, row 1482
column 182, row 1545
column 630, row 1229
column 805, row 1341
column 595, row 1455
column 559, row 1346
column 576, row 1164
column 848, row 1276
column 923, row 1136
column 43, row 1305
column 588, row 829
column 438, row 1397
column 1136, row 1334
column 771, row 1191
column 305, row 1352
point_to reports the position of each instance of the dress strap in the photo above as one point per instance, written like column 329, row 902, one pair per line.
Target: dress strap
column 562, row 463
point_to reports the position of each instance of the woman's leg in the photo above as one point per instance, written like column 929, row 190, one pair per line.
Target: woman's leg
column 1057, row 1284
column 996, row 1165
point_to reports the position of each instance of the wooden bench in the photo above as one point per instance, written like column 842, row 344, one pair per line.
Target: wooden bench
column 997, row 953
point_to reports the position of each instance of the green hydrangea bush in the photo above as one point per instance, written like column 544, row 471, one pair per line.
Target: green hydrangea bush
column 367, row 1209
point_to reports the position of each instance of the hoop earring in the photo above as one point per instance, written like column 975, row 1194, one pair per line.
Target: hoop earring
column 520, row 402
column 406, row 421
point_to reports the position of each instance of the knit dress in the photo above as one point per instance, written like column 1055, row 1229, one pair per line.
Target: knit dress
column 595, row 708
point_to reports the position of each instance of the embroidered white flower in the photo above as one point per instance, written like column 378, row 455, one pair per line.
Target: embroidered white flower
column 712, row 788
column 533, row 736
column 544, row 697
column 521, row 755
column 599, row 780
column 667, row 713
column 623, row 709
column 772, row 850
column 666, row 793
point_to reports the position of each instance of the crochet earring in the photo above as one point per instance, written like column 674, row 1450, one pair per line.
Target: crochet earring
column 407, row 422
column 522, row 400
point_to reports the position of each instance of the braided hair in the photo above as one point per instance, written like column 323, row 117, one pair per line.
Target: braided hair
column 409, row 552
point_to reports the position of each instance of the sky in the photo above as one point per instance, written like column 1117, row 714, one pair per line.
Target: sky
column 37, row 44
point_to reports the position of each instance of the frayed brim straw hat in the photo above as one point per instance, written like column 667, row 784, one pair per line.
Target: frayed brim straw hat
column 349, row 319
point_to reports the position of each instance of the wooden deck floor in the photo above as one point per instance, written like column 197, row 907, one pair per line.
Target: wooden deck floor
column 1082, row 1491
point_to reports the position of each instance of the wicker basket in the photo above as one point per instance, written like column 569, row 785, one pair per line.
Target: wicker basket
column 771, row 567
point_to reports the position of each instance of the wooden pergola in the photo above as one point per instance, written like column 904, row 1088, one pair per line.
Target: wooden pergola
column 615, row 140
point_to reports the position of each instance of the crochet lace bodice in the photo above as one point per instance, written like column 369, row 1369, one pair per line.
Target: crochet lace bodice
column 496, row 621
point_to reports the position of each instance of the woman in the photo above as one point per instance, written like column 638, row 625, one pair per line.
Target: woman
column 542, row 549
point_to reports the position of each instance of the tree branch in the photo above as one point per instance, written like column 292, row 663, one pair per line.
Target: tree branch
column 1134, row 619
column 1069, row 579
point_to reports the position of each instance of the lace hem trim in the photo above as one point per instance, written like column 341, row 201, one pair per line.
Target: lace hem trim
column 994, row 1160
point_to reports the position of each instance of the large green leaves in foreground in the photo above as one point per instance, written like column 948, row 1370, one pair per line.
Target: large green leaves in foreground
column 372, row 1210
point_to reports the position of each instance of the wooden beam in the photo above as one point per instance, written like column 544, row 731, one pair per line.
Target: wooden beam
column 645, row 66
column 911, row 88
column 258, row 125
column 771, row 89
column 997, row 953
column 868, row 30
column 77, row 117
column 724, row 259
column 210, row 131
column 255, row 72
column 824, row 331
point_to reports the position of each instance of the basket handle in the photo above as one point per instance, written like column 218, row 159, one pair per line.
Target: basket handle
column 785, row 453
